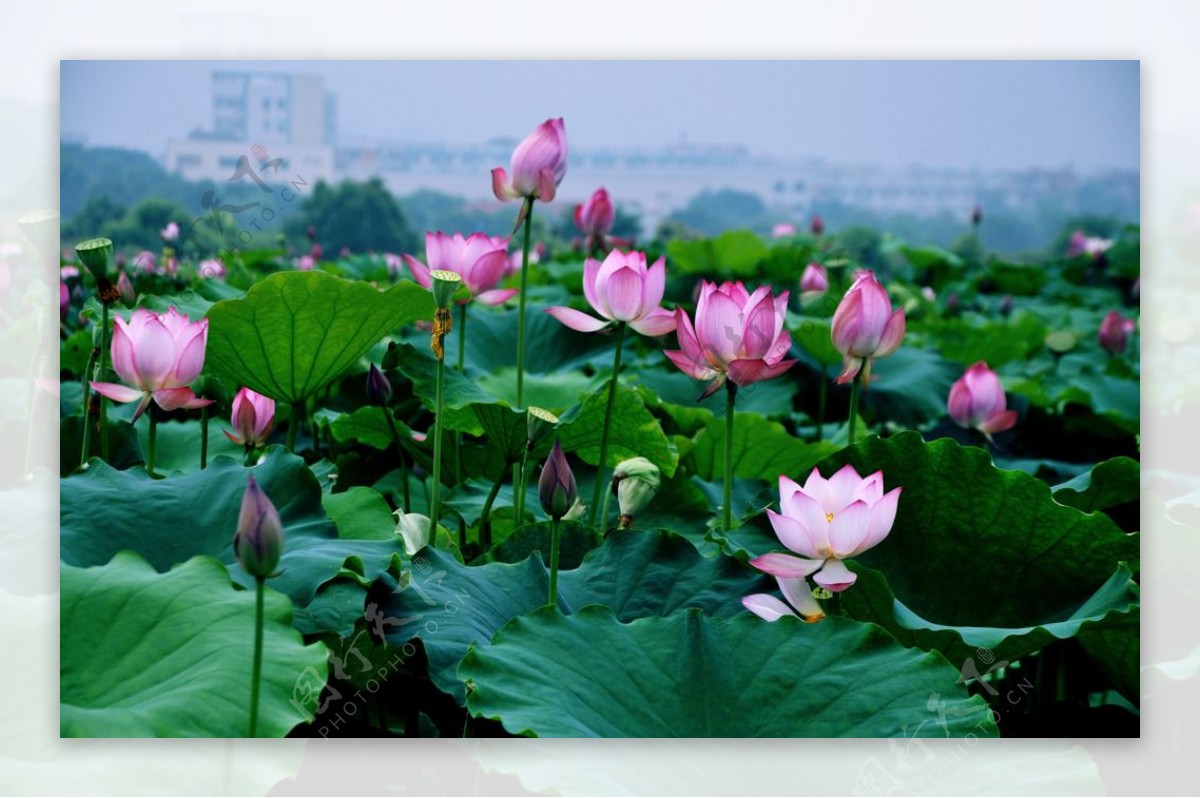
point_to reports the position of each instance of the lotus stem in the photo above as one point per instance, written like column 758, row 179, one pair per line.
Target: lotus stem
column 555, row 524
column 462, row 348
column 87, row 406
column 152, row 442
column 608, row 411
column 822, row 391
column 854, row 391
column 485, row 522
column 528, row 213
column 103, row 372
column 293, row 426
column 204, row 437
column 256, row 673
column 387, row 415
column 727, row 497
column 435, row 510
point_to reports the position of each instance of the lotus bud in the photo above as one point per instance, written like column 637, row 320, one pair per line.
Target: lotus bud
column 977, row 216
column 379, row 389
column 1114, row 332
column 126, row 290
column 253, row 416
column 96, row 255
column 817, row 225
column 635, row 482
column 258, row 542
column 414, row 528
column 540, row 423
column 556, row 486
column 64, row 301
column 815, row 279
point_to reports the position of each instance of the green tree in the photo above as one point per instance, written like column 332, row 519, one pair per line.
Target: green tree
column 361, row 216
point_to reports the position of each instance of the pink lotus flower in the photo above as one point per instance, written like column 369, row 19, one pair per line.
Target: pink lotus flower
column 125, row 289
column 514, row 259
column 170, row 232
column 539, row 164
column 253, row 416
column 1092, row 246
column 68, row 272
column 783, row 230
column 621, row 289
column 1115, row 331
column 480, row 260
column 145, row 261
column 64, row 300
column 826, row 522
column 596, row 216
column 815, row 279
column 212, row 269
column 737, row 335
column 818, row 225
column 393, row 262
column 305, row 263
column 157, row 355
column 977, row 402
column 864, row 326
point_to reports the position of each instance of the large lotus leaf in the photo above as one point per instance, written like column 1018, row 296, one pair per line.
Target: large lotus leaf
column 149, row 654
column 910, row 386
column 451, row 606
column 995, row 343
column 177, row 444
column 168, row 521
column 974, row 546
column 1115, row 647
column 633, row 431
column 295, row 332
column 591, row 675
column 762, row 449
column 1108, row 484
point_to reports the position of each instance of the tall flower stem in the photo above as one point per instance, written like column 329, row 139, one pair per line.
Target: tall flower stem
column 821, row 394
column 485, row 518
column 727, row 497
column 204, row 437
column 435, row 509
column 387, row 415
column 855, row 388
column 101, row 376
column 87, row 406
column 519, row 488
column 294, row 426
column 528, row 213
column 555, row 523
column 256, row 673
column 462, row 349
column 608, row 411
column 152, row 441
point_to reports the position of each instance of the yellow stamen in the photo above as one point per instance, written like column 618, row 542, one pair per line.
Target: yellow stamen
column 829, row 517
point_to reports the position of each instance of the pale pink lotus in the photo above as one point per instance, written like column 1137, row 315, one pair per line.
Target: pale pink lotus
column 596, row 216
column 800, row 602
column 977, row 401
column 1114, row 332
column 737, row 336
column 170, row 232
column 783, row 230
column 826, row 522
column 253, row 416
column 864, row 326
column 211, row 269
column 157, row 355
column 539, row 164
column 479, row 259
column 621, row 289
column 814, row 280
column 1092, row 246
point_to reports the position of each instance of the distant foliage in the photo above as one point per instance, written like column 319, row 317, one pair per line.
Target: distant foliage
column 363, row 217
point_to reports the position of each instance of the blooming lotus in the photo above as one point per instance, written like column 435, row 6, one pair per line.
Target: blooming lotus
column 539, row 164
column 783, row 230
column 1114, row 332
column 211, row 269
column 157, row 355
column 799, row 596
column 826, row 522
column 305, row 263
column 977, row 401
column 737, row 336
column 864, row 326
column 479, row 259
column 253, row 416
column 814, row 280
column 621, row 289
column 595, row 217
column 170, row 232
column 1092, row 246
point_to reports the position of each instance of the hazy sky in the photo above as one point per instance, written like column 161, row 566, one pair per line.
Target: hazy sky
column 988, row 114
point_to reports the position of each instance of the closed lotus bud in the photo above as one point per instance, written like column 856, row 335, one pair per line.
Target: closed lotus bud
column 818, row 225
column 977, row 401
column 596, row 216
column 379, row 389
column 96, row 255
column 815, row 279
column 541, row 422
column 414, row 528
column 125, row 289
column 64, row 301
column 1114, row 332
column 253, row 416
column 317, row 251
column 636, row 482
column 977, row 216
column 258, row 541
column 556, row 486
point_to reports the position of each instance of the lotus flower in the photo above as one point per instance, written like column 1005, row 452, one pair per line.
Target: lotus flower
column 1092, row 246
column 977, row 401
column 305, row 263
column 817, row 226
column 170, row 232
column 783, row 230
column 146, row 262
column 379, row 388
column 514, row 259
column 737, row 336
column 798, row 594
column 622, row 289
column 480, row 260
column 826, row 522
column 211, row 269
column 814, row 280
column 64, row 300
column 1114, row 332
column 258, row 541
column 556, row 485
column 864, row 326
column 539, row 164
column 595, row 217
column 253, row 416
column 157, row 355
column 125, row 289
column 394, row 262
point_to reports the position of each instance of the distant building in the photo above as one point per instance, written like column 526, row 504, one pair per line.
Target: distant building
column 264, row 116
